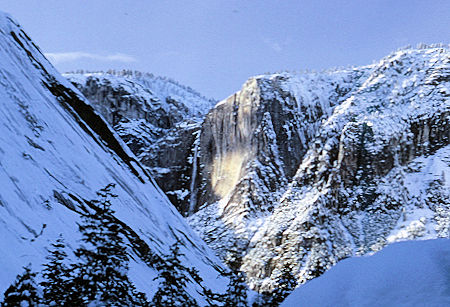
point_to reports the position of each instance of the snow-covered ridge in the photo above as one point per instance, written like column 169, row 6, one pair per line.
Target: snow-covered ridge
column 55, row 153
column 308, row 167
column 323, row 158
column 151, row 90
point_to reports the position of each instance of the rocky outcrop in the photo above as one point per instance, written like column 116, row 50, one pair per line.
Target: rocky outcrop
column 119, row 98
column 252, row 144
column 303, row 170
column 307, row 170
column 157, row 118
column 261, row 134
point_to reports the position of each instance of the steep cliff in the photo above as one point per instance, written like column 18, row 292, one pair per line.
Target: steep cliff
column 305, row 170
column 55, row 153
column 157, row 118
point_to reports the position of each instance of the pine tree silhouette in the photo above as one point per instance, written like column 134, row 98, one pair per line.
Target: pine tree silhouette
column 101, row 273
column 57, row 277
column 174, row 277
column 23, row 292
column 264, row 299
column 236, row 295
column 286, row 284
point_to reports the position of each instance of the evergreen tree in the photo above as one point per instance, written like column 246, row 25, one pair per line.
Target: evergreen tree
column 236, row 295
column 23, row 292
column 56, row 276
column 174, row 277
column 286, row 284
column 264, row 299
column 237, row 291
column 213, row 299
column 101, row 273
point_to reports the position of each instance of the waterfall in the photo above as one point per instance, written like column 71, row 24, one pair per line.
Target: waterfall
column 193, row 198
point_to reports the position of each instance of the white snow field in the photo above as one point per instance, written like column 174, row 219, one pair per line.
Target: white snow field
column 413, row 273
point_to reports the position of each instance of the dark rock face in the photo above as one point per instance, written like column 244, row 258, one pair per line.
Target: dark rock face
column 260, row 133
column 303, row 169
column 117, row 101
column 171, row 158
column 317, row 168
column 159, row 129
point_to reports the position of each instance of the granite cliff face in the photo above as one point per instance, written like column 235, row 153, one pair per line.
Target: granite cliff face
column 157, row 118
column 252, row 143
column 303, row 170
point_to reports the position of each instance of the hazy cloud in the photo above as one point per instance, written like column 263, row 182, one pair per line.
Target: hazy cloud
column 57, row 58
column 278, row 45
column 273, row 45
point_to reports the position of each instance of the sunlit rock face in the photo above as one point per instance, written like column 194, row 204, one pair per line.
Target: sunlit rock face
column 307, row 169
column 252, row 143
column 251, row 146
column 233, row 134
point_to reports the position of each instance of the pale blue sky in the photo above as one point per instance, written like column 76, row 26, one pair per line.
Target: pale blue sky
column 214, row 46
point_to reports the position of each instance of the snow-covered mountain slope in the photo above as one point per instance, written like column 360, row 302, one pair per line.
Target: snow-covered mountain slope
column 307, row 169
column 403, row 274
column 410, row 202
column 55, row 153
column 302, row 169
column 157, row 118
